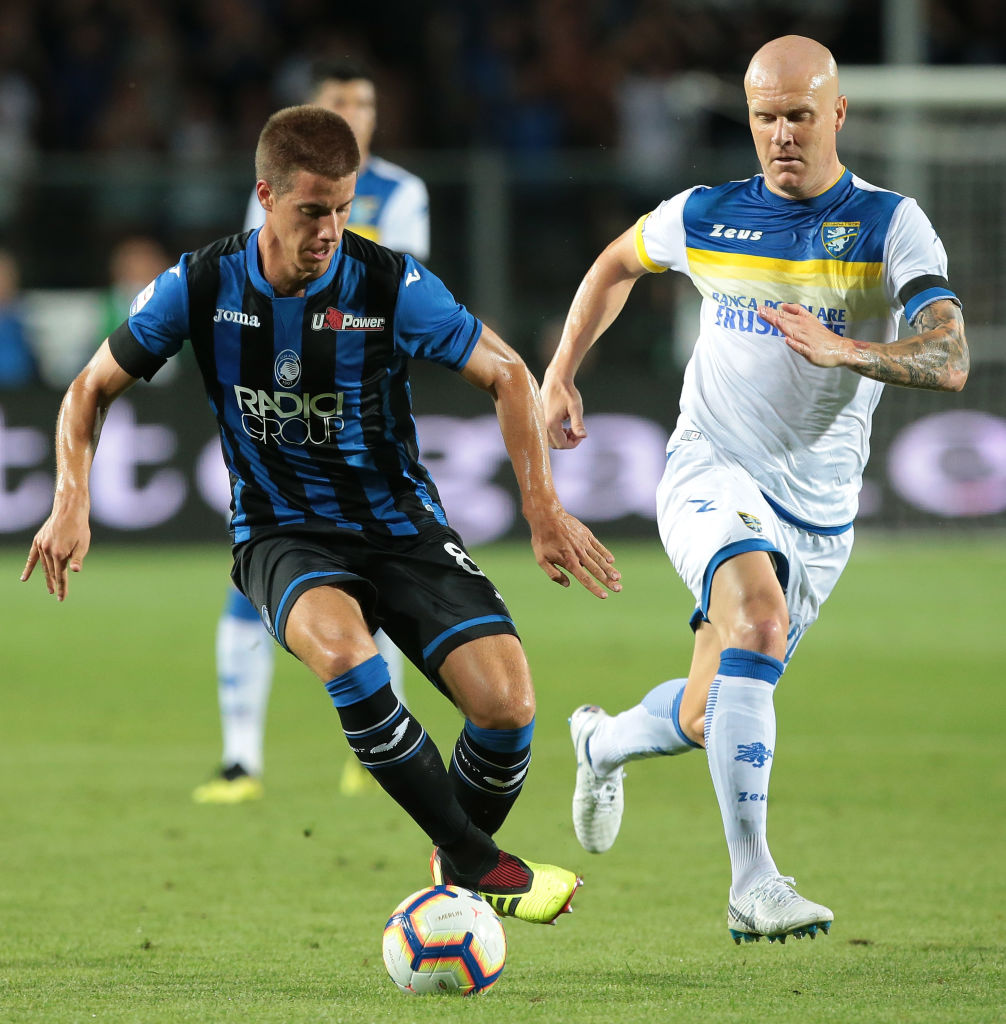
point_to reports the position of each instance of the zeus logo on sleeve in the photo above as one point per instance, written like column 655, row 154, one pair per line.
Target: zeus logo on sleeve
column 287, row 418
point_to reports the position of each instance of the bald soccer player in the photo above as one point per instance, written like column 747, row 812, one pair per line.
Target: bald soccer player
column 804, row 271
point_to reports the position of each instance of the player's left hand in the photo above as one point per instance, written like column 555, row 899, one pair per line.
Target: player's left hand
column 806, row 335
column 561, row 542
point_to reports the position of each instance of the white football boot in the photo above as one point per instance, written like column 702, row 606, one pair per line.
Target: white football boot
column 598, row 800
column 773, row 908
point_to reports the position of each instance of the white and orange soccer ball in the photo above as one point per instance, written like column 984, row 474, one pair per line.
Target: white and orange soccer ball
column 444, row 939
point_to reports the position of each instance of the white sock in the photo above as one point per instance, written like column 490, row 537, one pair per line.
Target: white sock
column 396, row 664
column 740, row 741
column 244, row 677
column 650, row 729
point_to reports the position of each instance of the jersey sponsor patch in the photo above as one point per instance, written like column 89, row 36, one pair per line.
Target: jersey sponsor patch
column 142, row 299
column 335, row 320
column 751, row 522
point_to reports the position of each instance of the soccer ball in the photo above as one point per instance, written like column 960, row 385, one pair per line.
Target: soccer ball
column 444, row 939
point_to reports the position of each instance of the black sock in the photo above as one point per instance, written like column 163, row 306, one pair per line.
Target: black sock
column 396, row 750
column 487, row 780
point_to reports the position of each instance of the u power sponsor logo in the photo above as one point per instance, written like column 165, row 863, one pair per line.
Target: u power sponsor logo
column 335, row 320
column 286, row 418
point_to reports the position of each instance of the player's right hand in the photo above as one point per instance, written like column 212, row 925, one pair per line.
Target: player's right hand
column 562, row 544
column 563, row 412
column 62, row 542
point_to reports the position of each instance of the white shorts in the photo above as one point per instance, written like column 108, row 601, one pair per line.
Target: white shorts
column 709, row 509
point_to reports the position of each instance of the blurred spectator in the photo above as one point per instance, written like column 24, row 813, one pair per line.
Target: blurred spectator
column 966, row 32
column 133, row 264
column 18, row 365
column 526, row 75
column 19, row 104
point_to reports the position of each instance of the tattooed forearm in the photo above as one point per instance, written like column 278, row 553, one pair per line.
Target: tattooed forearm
column 936, row 358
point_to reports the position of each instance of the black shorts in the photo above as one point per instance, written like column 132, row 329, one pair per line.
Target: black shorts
column 424, row 591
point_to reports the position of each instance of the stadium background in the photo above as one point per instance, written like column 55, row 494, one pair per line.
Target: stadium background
column 542, row 130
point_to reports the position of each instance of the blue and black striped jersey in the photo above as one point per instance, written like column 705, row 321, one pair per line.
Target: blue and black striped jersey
column 311, row 393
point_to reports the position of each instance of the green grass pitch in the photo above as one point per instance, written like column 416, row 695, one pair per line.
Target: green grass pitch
column 122, row 901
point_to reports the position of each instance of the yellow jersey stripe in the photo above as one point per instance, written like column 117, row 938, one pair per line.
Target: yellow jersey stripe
column 653, row 268
column 740, row 266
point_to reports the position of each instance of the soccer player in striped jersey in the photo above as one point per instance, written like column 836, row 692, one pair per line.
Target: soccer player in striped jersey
column 303, row 332
column 391, row 206
column 804, row 271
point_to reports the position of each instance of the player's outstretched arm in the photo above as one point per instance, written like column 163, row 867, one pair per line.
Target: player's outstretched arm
column 936, row 358
column 560, row 541
column 598, row 301
column 64, row 538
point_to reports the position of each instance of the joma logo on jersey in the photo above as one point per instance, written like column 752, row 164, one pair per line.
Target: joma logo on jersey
column 335, row 320
column 722, row 231
column 288, row 418
column 235, row 316
column 838, row 236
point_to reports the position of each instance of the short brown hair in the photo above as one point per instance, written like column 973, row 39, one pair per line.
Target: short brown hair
column 305, row 138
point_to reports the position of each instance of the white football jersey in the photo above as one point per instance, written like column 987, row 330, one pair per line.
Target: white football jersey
column 856, row 256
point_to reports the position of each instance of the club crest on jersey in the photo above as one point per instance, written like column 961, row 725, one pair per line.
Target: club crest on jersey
column 839, row 236
column 751, row 522
column 287, row 368
column 335, row 320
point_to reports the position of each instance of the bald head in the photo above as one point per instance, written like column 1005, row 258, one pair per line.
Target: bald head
column 793, row 57
column 795, row 112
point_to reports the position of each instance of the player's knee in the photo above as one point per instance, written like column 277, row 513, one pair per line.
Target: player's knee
column 331, row 659
column 510, row 705
column 764, row 633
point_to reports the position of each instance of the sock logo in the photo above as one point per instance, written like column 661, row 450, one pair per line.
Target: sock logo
column 396, row 738
column 507, row 783
column 756, row 754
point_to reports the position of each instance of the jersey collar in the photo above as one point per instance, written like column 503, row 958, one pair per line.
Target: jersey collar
column 258, row 280
column 825, row 198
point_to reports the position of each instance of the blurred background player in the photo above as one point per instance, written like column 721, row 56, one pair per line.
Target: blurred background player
column 18, row 363
column 134, row 262
column 391, row 207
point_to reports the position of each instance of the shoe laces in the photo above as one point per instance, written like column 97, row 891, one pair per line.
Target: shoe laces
column 606, row 791
column 779, row 888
